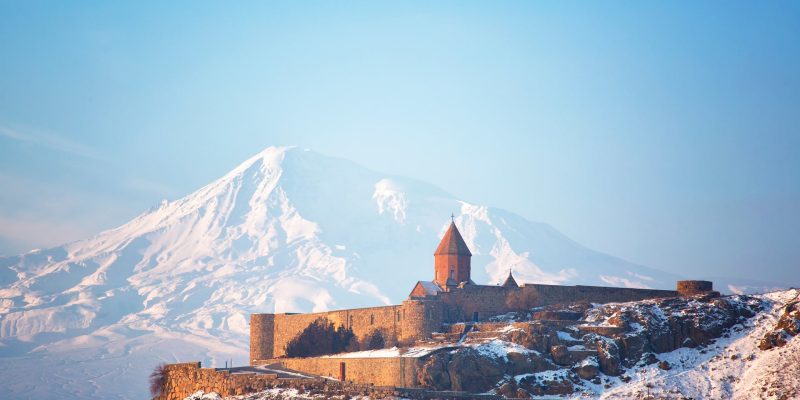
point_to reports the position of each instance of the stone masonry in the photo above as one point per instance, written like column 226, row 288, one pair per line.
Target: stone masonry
column 184, row 379
column 181, row 380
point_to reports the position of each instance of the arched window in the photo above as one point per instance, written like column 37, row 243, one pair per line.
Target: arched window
column 372, row 319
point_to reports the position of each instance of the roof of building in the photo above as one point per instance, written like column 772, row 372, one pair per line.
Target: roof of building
column 431, row 288
column 469, row 282
column 510, row 281
column 453, row 243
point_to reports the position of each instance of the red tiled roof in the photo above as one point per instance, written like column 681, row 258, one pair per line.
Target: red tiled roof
column 452, row 243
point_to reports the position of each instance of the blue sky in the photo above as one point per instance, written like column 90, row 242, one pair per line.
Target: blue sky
column 664, row 133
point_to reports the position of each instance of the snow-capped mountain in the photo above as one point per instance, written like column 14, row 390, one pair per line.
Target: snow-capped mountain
column 287, row 230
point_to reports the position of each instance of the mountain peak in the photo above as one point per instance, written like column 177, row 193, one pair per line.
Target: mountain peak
column 272, row 155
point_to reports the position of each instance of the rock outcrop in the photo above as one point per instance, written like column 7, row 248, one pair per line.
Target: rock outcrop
column 660, row 326
column 471, row 371
column 555, row 357
column 434, row 374
column 788, row 326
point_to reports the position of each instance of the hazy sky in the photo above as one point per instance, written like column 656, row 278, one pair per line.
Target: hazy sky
column 666, row 133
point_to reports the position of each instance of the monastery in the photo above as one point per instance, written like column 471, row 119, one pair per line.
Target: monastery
column 436, row 318
column 451, row 297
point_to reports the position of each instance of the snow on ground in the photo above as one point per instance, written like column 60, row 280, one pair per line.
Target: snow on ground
column 380, row 353
column 420, row 351
column 508, row 329
column 201, row 395
column 497, row 348
column 384, row 353
column 274, row 394
column 731, row 368
column 281, row 371
column 566, row 336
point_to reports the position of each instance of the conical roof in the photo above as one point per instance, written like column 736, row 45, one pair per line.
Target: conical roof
column 510, row 281
column 452, row 243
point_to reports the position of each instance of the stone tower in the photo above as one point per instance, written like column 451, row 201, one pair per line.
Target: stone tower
column 452, row 259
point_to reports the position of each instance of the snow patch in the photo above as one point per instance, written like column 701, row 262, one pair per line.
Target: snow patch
column 386, row 353
column 497, row 348
column 390, row 198
column 566, row 336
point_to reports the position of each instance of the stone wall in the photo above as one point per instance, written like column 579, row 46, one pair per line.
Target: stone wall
column 421, row 318
column 689, row 288
column 390, row 371
column 362, row 321
column 183, row 379
column 262, row 336
column 417, row 318
column 555, row 294
column 475, row 302
column 406, row 323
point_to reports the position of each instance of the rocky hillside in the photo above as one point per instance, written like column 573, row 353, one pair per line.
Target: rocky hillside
column 585, row 350
column 735, row 347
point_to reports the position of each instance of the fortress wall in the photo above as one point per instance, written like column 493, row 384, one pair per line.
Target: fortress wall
column 262, row 329
column 461, row 304
column 421, row 317
column 690, row 288
column 181, row 380
column 390, row 371
column 362, row 321
column 418, row 318
column 555, row 294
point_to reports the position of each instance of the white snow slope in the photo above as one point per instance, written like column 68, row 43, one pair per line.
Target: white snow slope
column 287, row 230
column 731, row 368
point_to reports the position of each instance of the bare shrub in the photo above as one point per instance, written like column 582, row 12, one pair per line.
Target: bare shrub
column 320, row 338
column 374, row 340
column 158, row 380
